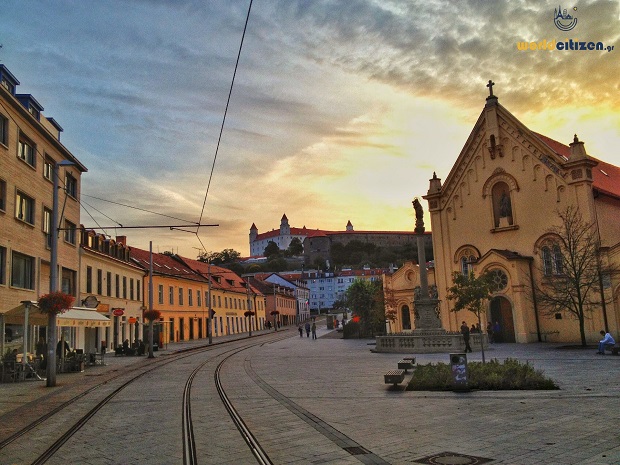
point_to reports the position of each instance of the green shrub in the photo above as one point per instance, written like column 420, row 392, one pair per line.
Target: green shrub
column 493, row 376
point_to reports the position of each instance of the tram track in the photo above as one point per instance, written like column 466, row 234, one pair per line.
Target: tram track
column 189, row 447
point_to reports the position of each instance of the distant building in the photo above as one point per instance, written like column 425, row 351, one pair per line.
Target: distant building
column 318, row 242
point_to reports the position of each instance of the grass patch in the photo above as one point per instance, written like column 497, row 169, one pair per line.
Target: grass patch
column 492, row 376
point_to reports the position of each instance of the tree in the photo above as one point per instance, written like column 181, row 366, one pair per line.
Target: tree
column 471, row 293
column 219, row 258
column 571, row 269
column 365, row 300
column 295, row 247
column 271, row 249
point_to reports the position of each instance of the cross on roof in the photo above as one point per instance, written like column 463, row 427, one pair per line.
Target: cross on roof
column 490, row 86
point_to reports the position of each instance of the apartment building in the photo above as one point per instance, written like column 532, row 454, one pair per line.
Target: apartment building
column 30, row 154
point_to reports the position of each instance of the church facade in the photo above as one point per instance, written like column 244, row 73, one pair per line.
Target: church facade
column 494, row 213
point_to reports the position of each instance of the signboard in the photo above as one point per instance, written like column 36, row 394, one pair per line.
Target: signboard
column 118, row 311
column 132, row 320
column 90, row 302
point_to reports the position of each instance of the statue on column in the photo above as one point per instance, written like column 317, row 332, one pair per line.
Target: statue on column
column 419, row 216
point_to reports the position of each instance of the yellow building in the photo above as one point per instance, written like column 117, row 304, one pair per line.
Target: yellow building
column 181, row 294
column 494, row 212
column 30, row 148
column 113, row 284
column 399, row 290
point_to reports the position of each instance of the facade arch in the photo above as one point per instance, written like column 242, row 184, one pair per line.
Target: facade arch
column 500, row 188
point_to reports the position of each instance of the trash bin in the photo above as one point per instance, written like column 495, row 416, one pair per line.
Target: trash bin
column 458, row 362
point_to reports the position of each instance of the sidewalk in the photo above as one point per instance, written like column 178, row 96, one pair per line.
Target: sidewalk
column 18, row 394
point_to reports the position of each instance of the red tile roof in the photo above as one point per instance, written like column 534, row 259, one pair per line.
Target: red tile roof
column 606, row 176
column 163, row 264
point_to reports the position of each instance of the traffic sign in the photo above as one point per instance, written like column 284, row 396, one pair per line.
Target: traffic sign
column 118, row 311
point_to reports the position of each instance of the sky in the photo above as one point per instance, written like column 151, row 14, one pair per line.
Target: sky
column 340, row 110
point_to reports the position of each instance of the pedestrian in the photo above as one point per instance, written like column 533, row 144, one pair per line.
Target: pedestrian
column 41, row 350
column 269, row 325
column 473, row 329
column 313, row 330
column 497, row 335
column 301, row 331
column 307, row 329
column 606, row 343
column 465, row 333
column 490, row 332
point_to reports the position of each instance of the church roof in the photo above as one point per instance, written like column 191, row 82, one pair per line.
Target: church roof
column 606, row 176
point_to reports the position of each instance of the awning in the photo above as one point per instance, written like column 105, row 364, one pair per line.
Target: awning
column 76, row 316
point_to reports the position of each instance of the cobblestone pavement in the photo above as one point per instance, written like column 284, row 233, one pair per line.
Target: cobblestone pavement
column 324, row 401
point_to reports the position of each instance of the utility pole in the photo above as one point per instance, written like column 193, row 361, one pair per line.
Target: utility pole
column 151, row 323
column 210, row 320
column 52, row 336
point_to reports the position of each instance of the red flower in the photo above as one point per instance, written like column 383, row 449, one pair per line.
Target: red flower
column 55, row 302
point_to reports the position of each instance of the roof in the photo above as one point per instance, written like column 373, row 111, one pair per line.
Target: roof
column 606, row 176
column 163, row 264
column 229, row 280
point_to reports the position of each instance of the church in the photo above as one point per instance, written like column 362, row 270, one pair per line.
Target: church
column 494, row 213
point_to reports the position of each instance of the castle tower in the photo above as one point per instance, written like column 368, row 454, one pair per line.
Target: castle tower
column 349, row 226
column 285, row 229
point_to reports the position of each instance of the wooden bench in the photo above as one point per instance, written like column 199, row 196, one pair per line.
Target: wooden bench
column 405, row 364
column 394, row 377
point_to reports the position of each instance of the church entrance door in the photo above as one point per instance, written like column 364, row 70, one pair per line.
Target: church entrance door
column 405, row 317
column 501, row 311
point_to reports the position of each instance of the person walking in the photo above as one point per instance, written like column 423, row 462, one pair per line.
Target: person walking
column 465, row 333
column 307, row 329
column 301, row 330
column 313, row 330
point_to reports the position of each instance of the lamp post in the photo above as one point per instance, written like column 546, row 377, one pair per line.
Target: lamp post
column 50, row 370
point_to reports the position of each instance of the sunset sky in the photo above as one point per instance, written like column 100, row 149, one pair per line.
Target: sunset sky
column 341, row 110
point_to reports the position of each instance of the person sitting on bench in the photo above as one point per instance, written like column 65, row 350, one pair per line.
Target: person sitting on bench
column 606, row 343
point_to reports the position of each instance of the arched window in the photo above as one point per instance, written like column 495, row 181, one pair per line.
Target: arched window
column 467, row 264
column 558, row 260
column 546, row 259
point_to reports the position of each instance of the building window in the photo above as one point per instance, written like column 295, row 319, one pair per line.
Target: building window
column 190, row 298
column 47, row 226
column 22, row 271
column 160, row 296
column 2, row 265
column 138, row 295
column 24, row 207
column 2, row 195
column 171, row 295
column 4, row 130
column 499, row 280
column 199, row 298
column 108, row 284
column 99, row 282
column 68, row 281
column 117, row 286
column 124, row 287
column 180, row 296
column 26, row 150
column 131, row 288
column 69, row 232
column 553, row 260
column 89, row 279
column 48, row 168
column 71, row 185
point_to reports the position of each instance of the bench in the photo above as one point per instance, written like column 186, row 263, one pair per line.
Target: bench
column 405, row 364
column 410, row 358
column 394, row 377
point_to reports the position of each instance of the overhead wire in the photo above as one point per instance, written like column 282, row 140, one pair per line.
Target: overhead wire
column 219, row 139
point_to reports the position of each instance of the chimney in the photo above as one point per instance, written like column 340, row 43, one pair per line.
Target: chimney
column 121, row 240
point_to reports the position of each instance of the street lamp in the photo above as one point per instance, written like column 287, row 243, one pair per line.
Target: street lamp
column 50, row 370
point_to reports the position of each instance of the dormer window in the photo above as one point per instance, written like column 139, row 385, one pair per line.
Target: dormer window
column 7, row 80
column 31, row 104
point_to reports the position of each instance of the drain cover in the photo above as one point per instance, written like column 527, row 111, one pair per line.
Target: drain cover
column 452, row 458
